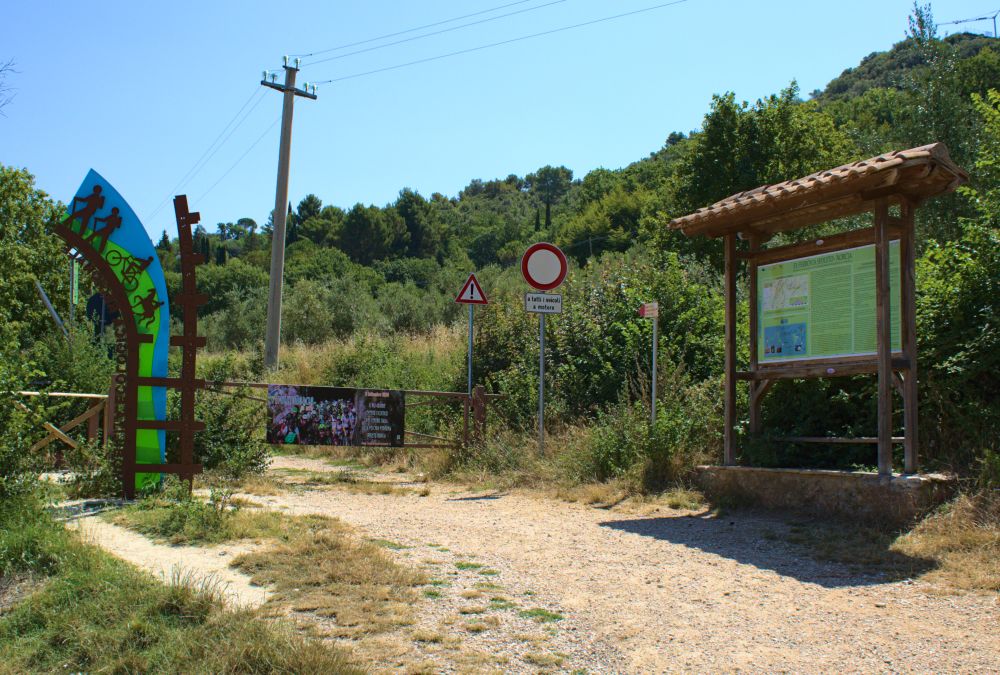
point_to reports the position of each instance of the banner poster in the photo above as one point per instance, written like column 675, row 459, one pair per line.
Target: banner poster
column 824, row 305
column 335, row 416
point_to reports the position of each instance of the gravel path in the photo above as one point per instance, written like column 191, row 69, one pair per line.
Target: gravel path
column 675, row 591
column 208, row 564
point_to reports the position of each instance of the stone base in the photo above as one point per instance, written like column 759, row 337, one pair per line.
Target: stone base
column 895, row 500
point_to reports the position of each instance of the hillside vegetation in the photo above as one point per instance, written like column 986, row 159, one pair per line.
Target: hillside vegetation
column 370, row 289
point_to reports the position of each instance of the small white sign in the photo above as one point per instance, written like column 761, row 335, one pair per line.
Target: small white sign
column 649, row 310
column 543, row 303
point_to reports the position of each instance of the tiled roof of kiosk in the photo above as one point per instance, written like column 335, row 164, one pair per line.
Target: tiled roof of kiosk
column 914, row 174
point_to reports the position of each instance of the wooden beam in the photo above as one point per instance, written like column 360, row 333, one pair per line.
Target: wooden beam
column 883, row 338
column 757, row 392
column 833, row 367
column 729, row 433
column 836, row 439
column 836, row 242
column 754, row 330
column 908, row 315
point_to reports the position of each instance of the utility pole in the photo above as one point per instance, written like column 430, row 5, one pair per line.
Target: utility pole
column 273, row 337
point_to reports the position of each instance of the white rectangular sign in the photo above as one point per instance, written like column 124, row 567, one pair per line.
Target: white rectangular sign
column 543, row 303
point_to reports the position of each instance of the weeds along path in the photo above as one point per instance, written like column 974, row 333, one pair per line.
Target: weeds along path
column 206, row 564
column 673, row 591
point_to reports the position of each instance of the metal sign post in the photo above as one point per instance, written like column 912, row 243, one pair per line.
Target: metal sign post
column 471, row 295
column 541, row 384
column 544, row 267
column 651, row 310
column 472, row 309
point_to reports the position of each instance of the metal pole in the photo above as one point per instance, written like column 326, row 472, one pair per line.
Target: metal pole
column 471, row 307
column 273, row 336
column 652, row 406
column 52, row 310
column 72, row 291
column 541, row 384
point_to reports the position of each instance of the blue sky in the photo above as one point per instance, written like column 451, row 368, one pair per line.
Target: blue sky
column 139, row 91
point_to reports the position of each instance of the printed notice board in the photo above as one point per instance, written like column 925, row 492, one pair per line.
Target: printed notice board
column 335, row 416
column 823, row 305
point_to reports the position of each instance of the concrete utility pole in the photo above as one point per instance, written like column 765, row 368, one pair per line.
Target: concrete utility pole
column 273, row 337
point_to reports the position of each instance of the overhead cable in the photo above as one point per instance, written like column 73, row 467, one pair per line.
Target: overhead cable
column 411, row 30
column 502, row 42
column 437, row 32
column 205, row 156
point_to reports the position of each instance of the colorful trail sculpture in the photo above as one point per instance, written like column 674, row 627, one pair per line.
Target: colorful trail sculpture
column 103, row 232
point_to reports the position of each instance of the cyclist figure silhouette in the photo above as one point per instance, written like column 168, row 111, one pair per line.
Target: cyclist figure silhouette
column 149, row 306
column 91, row 203
column 112, row 222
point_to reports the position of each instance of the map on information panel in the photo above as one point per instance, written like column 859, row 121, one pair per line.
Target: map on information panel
column 823, row 306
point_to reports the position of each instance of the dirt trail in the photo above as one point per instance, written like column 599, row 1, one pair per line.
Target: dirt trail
column 210, row 564
column 679, row 592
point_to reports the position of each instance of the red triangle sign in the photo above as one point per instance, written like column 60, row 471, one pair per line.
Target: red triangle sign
column 471, row 293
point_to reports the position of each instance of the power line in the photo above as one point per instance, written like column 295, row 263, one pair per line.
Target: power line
column 988, row 17
column 502, row 42
column 247, row 152
column 195, row 167
column 437, row 32
column 410, row 30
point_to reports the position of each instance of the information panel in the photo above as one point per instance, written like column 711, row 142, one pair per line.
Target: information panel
column 335, row 416
column 823, row 306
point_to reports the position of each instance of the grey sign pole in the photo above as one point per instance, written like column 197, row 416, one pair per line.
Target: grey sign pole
column 656, row 320
column 541, row 384
column 471, row 309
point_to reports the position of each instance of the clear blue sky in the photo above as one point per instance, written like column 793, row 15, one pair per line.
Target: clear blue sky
column 139, row 90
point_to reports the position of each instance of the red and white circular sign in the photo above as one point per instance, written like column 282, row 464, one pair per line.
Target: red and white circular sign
column 543, row 266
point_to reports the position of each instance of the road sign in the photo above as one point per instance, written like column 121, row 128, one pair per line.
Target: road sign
column 472, row 292
column 543, row 303
column 649, row 310
column 543, row 266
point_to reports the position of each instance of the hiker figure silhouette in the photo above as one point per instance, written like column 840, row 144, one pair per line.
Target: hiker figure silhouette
column 112, row 222
column 149, row 305
column 91, row 203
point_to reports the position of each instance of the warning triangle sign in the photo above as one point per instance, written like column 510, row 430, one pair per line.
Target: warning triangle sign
column 471, row 293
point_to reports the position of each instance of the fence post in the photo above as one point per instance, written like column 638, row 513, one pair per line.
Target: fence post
column 478, row 412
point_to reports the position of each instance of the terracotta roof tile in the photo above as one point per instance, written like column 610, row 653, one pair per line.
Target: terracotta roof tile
column 916, row 174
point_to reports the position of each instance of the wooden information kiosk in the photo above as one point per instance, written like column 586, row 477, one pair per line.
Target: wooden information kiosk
column 793, row 331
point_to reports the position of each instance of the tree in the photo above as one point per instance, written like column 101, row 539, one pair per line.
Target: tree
column 742, row 147
column 6, row 95
column 423, row 229
column 324, row 227
column 549, row 184
column 164, row 243
column 370, row 234
column 28, row 252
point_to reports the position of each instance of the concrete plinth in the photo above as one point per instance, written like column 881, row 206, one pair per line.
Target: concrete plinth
column 893, row 500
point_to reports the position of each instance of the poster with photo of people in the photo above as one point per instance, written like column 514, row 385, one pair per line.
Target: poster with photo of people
column 335, row 416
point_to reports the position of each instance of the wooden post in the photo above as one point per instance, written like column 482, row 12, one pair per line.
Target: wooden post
column 729, row 437
column 754, row 329
column 478, row 413
column 883, row 338
column 109, row 413
column 909, row 337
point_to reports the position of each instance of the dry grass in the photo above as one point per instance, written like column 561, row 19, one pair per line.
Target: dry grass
column 963, row 539
column 323, row 569
column 346, row 479
column 957, row 548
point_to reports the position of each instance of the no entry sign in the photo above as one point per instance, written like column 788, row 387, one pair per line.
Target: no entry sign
column 543, row 266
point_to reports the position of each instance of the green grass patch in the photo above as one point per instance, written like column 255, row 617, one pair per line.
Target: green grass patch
column 95, row 613
column 467, row 565
column 385, row 543
column 432, row 593
column 191, row 521
column 489, row 572
column 541, row 615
